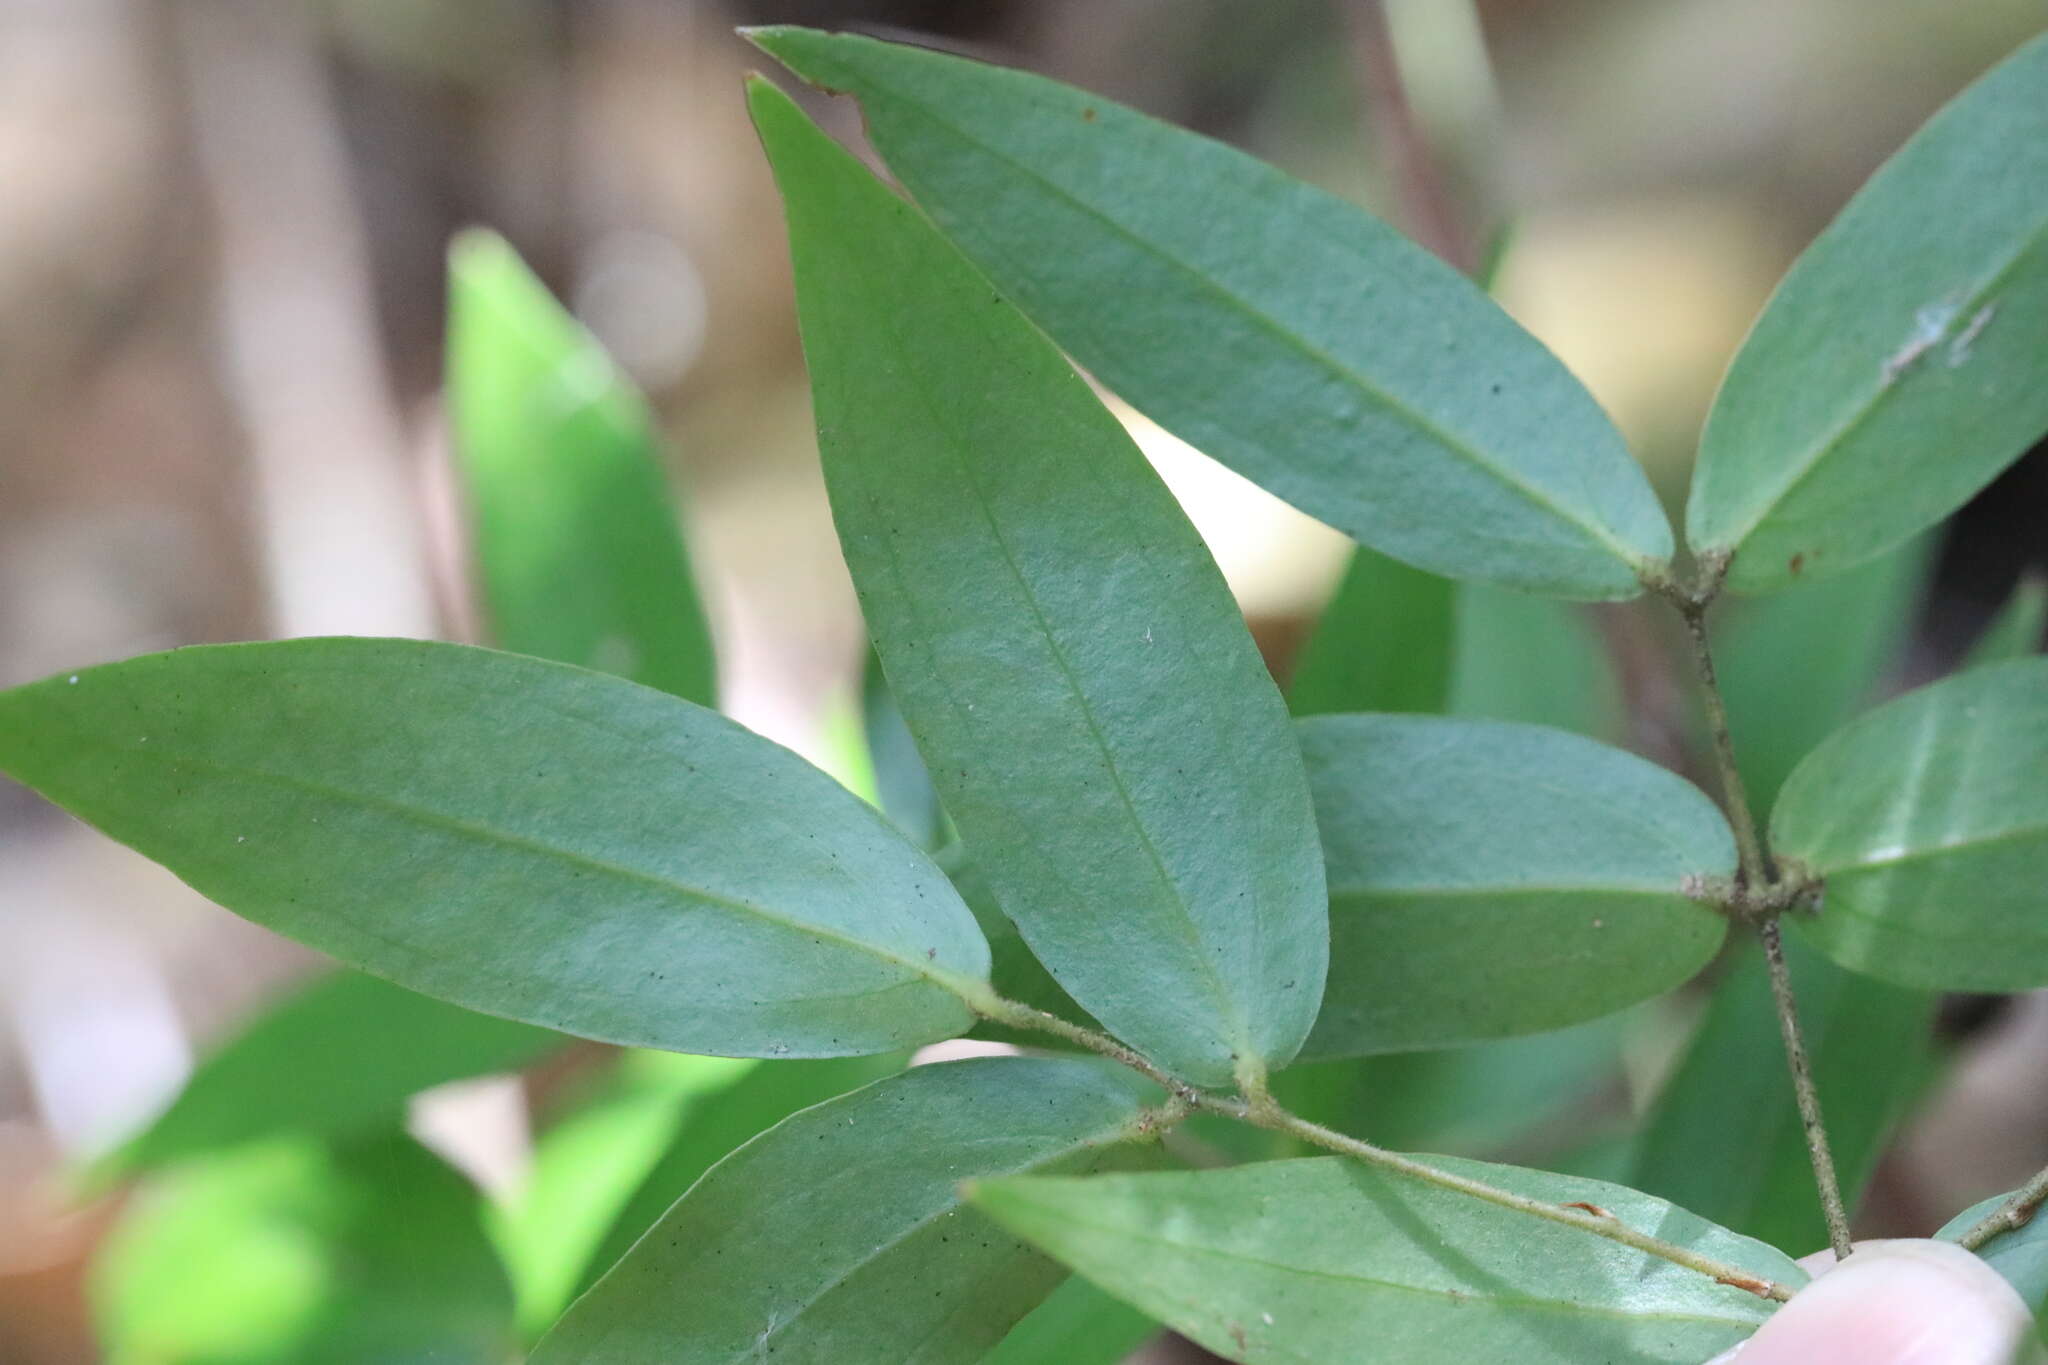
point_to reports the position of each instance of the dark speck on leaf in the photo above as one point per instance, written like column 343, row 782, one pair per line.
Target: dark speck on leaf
column 1798, row 563
column 1087, row 116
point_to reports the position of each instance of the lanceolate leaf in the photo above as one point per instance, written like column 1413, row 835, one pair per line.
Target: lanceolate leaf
column 1928, row 820
column 576, row 543
column 1096, row 717
column 1489, row 879
column 519, row 837
column 2015, row 632
column 1290, row 335
column 1288, row 1262
column 839, row 1234
column 1899, row 367
column 338, row 1057
column 1869, row 1045
column 288, row 1253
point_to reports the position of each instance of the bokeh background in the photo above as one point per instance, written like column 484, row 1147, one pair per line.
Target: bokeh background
column 222, row 237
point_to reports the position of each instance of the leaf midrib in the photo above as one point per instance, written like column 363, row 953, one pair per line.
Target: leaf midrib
column 484, row 834
column 1290, row 338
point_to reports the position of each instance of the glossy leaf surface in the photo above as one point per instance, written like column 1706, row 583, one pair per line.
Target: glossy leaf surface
column 290, row 1254
column 337, row 1057
column 1928, row 821
column 1290, row 335
column 515, row 836
column 839, row 1234
column 1295, row 1261
column 1097, row 719
column 576, row 543
column 1869, row 1044
column 1899, row 366
column 1489, row 879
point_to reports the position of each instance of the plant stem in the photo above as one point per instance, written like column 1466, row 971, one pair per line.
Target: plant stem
column 1756, row 860
column 2015, row 1212
column 1817, row 1148
column 1261, row 1111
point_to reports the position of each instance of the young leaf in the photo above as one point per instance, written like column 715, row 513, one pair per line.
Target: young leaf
column 1294, row 1261
column 339, row 1057
column 1844, row 632
column 2015, row 632
column 1899, row 366
column 1297, row 339
column 1096, row 717
column 1078, row 1325
column 1868, row 1043
column 713, row 1125
column 515, row 836
column 291, row 1254
column 576, row 544
column 1928, row 820
column 1488, row 879
column 1384, row 643
column 2021, row 1255
column 839, row 1234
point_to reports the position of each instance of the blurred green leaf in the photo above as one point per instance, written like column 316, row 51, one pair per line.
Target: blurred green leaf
column 903, row 784
column 839, row 1234
column 516, row 836
column 290, row 1254
column 1899, row 366
column 1489, row 879
column 1527, row 659
column 1794, row 667
column 711, row 1125
column 1384, row 642
column 1724, row 1138
column 2016, row 631
column 1294, row 1261
column 1294, row 337
column 1097, row 719
column 1078, row 1325
column 587, row 1164
column 576, row 543
column 339, row 1057
column 1928, row 821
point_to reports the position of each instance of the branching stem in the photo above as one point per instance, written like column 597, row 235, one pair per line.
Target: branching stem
column 2015, row 1212
column 1260, row 1110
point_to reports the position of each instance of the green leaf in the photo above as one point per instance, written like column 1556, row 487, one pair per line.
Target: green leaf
column 1869, row 1044
column 2021, row 1255
column 1096, row 716
column 290, row 1254
column 339, row 1057
column 1489, row 879
column 1527, row 659
column 903, row 784
column 1078, row 1325
column 576, row 545
column 587, row 1164
column 1297, row 339
column 2015, row 632
column 1384, row 643
column 712, row 1125
column 515, row 836
column 1794, row 667
column 839, row 1233
column 1296, row 1261
column 1899, row 366
column 1928, row 820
